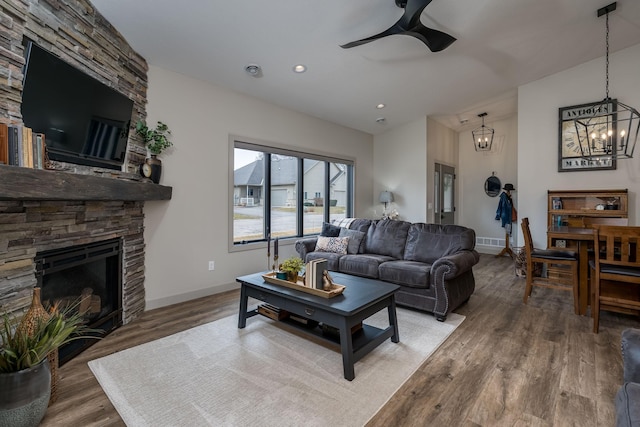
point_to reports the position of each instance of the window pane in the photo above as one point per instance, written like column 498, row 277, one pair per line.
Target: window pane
column 313, row 214
column 284, row 177
column 338, row 184
column 310, row 190
column 447, row 202
column 248, row 195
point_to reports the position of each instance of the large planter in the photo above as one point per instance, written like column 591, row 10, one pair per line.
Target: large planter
column 24, row 396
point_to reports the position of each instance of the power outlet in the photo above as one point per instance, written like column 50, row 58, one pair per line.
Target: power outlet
column 212, row 265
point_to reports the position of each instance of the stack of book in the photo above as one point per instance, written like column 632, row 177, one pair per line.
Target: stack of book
column 20, row 146
column 272, row 312
column 315, row 272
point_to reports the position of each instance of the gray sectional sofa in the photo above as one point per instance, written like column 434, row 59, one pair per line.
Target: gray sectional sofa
column 432, row 263
column 628, row 397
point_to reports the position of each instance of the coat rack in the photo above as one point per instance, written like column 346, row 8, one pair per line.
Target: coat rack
column 507, row 249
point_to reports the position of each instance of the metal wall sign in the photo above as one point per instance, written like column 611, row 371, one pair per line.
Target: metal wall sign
column 581, row 146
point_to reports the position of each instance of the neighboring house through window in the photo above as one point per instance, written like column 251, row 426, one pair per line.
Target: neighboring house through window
column 271, row 188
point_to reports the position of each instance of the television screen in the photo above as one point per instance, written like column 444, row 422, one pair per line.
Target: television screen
column 84, row 121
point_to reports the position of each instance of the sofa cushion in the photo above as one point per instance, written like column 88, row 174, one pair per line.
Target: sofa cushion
column 330, row 230
column 360, row 224
column 387, row 237
column 362, row 265
column 429, row 242
column 355, row 239
column 627, row 408
column 336, row 245
column 408, row 273
column 332, row 259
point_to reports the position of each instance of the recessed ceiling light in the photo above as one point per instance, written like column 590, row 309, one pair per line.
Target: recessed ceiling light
column 381, row 120
column 253, row 70
column 300, row 68
column 380, row 106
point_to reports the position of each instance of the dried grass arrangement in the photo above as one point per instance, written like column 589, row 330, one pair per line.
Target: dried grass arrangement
column 38, row 334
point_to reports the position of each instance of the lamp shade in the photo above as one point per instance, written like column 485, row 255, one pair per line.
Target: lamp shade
column 386, row 197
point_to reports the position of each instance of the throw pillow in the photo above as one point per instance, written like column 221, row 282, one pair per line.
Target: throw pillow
column 344, row 222
column 355, row 239
column 336, row 245
column 330, row 230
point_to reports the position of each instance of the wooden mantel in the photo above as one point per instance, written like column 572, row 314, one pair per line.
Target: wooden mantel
column 17, row 183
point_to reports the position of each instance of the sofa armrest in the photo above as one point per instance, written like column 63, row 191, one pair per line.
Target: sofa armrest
column 631, row 355
column 456, row 264
column 304, row 246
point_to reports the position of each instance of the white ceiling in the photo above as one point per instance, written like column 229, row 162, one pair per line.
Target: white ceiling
column 501, row 44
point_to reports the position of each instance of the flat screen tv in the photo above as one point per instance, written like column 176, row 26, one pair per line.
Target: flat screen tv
column 84, row 121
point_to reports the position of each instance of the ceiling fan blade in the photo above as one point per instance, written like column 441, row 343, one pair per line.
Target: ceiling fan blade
column 435, row 40
column 412, row 12
column 393, row 30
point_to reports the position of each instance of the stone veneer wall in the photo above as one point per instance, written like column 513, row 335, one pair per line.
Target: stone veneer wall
column 28, row 227
column 76, row 32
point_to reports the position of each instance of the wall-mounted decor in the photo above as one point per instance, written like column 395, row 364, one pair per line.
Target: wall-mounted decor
column 571, row 156
column 492, row 185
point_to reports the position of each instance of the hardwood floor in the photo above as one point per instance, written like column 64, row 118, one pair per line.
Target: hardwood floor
column 507, row 364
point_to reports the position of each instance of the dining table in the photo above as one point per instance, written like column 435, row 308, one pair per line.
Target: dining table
column 575, row 238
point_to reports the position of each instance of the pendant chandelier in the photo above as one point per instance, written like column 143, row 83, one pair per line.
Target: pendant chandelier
column 609, row 129
column 482, row 136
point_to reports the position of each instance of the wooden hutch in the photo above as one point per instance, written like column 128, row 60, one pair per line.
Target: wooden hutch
column 582, row 208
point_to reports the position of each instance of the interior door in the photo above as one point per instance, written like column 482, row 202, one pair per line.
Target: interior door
column 444, row 204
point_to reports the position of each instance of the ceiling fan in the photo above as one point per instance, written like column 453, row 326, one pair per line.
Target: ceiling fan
column 409, row 25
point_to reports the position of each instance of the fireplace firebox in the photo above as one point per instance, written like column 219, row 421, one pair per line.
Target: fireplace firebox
column 88, row 277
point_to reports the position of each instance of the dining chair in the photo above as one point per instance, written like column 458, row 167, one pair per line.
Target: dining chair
column 593, row 222
column 615, row 275
column 563, row 261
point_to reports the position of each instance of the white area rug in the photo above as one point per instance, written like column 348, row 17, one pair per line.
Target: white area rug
column 219, row 375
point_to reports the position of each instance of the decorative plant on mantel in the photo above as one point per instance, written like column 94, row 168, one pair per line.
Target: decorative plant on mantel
column 155, row 140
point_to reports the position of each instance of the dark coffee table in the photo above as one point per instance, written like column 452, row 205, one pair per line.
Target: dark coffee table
column 361, row 299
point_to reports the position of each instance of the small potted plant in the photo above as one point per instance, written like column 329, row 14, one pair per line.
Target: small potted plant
column 156, row 141
column 292, row 266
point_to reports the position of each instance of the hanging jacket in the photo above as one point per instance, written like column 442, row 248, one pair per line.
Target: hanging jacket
column 504, row 209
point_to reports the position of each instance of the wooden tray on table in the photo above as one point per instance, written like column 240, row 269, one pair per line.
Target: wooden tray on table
column 335, row 289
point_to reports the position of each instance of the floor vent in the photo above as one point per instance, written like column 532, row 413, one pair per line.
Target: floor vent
column 489, row 241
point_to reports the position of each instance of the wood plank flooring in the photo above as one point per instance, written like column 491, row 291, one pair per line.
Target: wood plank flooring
column 507, row 364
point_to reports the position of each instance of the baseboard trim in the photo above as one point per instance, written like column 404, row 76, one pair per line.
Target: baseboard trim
column 175, row 299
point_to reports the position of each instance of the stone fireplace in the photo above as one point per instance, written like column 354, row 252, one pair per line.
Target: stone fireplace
column 43, row 211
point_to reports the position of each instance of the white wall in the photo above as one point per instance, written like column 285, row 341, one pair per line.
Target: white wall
column 538, row 104
column 183, row 234
column 442, row 148
column 477, row 210
column 400, row 158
